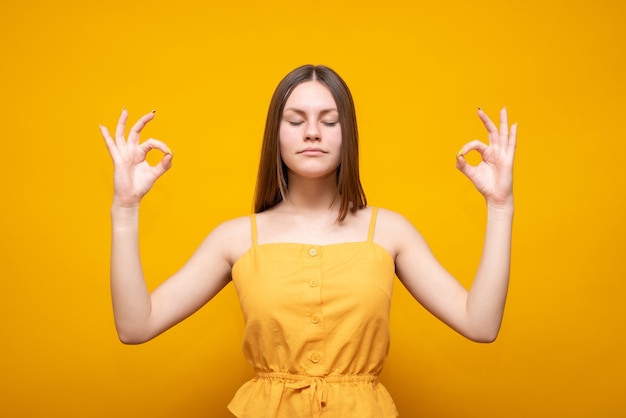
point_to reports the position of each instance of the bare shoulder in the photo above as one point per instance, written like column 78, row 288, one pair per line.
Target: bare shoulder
column 390, row 222
column 232, row 237
column 394, row 231
column 234, row 227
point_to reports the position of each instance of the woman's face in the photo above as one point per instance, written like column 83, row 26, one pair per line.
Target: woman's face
column 310, row 134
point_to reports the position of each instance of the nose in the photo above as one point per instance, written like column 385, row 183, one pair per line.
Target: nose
column 312, row 132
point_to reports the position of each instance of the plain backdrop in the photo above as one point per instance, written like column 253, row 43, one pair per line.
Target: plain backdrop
column 418, row 71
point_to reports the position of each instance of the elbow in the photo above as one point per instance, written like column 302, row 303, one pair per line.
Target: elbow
column 480, row 332
column 486, row 339
column 483, row 336
column 130, row 337
column 482, row 329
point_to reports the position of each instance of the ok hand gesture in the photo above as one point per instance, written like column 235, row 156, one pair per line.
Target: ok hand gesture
column 133, row 175
column 493, row 176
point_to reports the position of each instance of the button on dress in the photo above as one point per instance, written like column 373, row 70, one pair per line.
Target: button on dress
column 316, row 329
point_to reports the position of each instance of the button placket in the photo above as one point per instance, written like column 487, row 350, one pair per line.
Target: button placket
column 312, row 257
column 313, row 253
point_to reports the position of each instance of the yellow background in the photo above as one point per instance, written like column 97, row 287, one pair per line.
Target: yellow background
column 417, row 70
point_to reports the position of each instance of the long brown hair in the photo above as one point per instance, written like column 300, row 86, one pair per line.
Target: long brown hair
column 271, row 186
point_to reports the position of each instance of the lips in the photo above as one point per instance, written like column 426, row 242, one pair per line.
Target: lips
column 312, row 151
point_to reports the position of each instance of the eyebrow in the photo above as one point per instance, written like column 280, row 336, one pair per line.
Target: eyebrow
column 302, row 112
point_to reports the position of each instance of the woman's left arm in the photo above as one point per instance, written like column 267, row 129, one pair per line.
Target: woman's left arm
column 476, row 313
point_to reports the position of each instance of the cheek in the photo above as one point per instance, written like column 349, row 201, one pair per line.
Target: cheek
column 285, row 136
column 282, row 144
column 284, row 147
column 337, row 142
column 339, row 147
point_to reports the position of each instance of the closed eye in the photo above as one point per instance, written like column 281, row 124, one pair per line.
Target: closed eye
column 295, row 123
column 330, row 124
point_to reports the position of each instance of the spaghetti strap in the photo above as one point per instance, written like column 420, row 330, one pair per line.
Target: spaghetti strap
column 253, row 233
column 370, row 233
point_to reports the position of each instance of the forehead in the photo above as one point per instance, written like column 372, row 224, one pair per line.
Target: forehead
column 310, row 95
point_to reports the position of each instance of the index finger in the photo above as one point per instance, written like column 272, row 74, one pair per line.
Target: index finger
column 133, row 135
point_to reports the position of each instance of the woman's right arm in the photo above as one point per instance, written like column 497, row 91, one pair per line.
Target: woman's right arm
column 139, row 314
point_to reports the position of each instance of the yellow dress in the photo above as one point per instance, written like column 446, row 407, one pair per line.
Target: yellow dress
column 316, row 329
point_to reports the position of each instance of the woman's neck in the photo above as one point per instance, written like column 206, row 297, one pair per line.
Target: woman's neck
column 312, row 195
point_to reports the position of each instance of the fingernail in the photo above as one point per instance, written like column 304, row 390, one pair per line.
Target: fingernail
column 480, row 108
column 153, row 111
column 461, row 151
column 169, row 151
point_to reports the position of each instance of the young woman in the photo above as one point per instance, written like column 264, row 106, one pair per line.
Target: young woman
column 314, row 266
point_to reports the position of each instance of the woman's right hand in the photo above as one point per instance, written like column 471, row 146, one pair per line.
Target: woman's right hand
column 133, row 175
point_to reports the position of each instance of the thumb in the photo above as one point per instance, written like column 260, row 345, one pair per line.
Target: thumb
column 163, row 165
column 462, row 165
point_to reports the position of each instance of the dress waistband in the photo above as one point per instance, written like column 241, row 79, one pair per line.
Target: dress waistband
column 317, row 384
column 333, row 378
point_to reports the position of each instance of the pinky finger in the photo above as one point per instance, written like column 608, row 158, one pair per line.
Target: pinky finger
column 108, row 140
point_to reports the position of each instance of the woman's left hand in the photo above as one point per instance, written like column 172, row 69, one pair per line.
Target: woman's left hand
column 493, row 176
